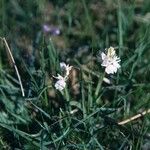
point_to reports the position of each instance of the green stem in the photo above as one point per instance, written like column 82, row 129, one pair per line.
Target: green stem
column 99, row 84
column 120, row 30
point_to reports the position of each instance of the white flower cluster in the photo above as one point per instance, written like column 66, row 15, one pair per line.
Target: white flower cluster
column 61, row 81
column 110, row 61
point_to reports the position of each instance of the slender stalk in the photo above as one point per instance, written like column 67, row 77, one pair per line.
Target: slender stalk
column 120, row 30
column 99, row 85
column 14, row 64
column 134, row 117
column 120, row 38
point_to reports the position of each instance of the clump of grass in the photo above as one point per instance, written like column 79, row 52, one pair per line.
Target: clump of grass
column 88, row 113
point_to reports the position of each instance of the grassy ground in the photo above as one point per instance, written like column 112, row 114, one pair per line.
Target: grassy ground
column 85, row 115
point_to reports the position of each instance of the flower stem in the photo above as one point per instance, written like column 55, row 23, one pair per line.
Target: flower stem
column 99, row 84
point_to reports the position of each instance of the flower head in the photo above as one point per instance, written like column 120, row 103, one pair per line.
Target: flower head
column 65, row 68
column 60, row 83
column 51, row 29
column 61, row 80
column 110, row 61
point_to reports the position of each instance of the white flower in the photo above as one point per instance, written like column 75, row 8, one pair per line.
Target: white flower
column 61, row 80
column 110, row 61
column 61, row 83
column 66, row 68
column 62, row 65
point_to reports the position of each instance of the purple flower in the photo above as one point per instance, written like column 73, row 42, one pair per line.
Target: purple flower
column 51, row 29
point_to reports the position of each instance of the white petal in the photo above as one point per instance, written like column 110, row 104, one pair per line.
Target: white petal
column 114, row 68
column 68, row 69
column 116, row 64
column 60, row 85
column 103, row 56
column 109, row 70
column 105, row 62
column 116, row 59
column 59, row 77
column 63, row 65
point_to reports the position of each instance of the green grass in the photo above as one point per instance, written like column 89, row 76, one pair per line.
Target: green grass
column 43, row 119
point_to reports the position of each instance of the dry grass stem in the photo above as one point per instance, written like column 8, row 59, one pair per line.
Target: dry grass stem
column 14, row 64
column 134, row 117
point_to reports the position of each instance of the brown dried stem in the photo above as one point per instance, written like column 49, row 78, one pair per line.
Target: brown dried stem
column 134, row 117
column 14, row 64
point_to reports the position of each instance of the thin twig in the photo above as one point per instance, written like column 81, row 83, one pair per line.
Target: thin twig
column 14, row 64
column 134, row 117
